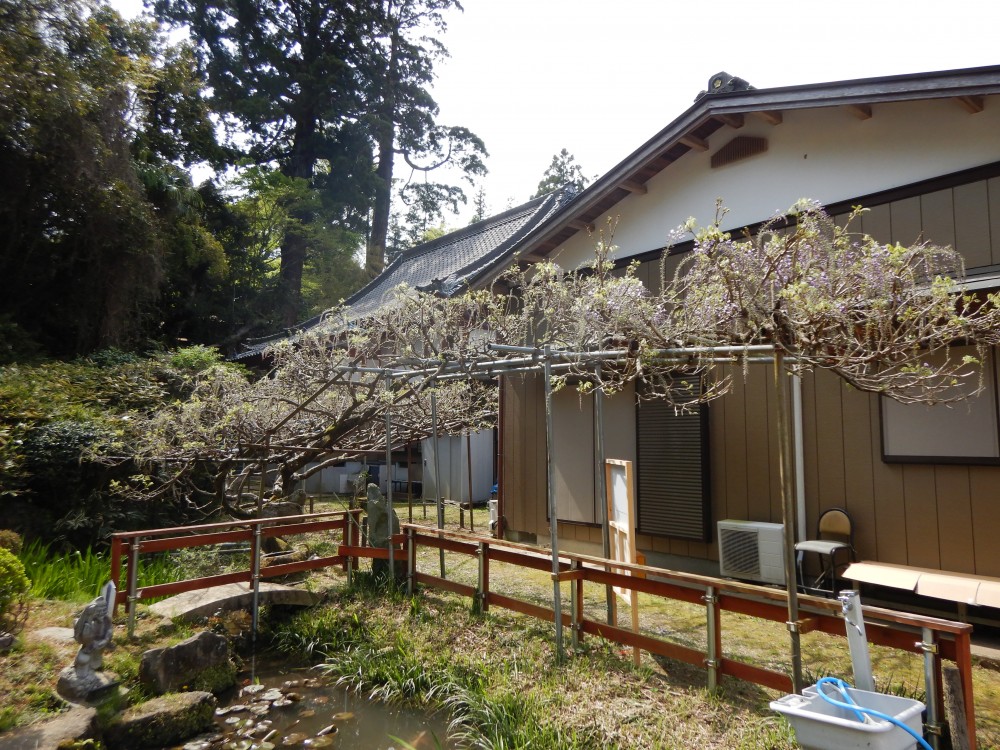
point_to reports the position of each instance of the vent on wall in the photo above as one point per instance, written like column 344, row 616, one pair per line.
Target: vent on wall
column 752, row 551
column 741, row 147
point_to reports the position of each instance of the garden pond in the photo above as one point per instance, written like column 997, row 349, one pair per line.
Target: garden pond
column 300, row 708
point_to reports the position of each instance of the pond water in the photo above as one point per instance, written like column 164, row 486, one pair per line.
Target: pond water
column 280, row 707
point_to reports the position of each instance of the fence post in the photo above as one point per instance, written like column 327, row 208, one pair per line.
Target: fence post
column 484, row 575
column 411, row 560
column 711, row 600
column 932, row 670
column 963, row 660
column 116, row 568
column 133, row 580
column 255, row 578
column 577, row 585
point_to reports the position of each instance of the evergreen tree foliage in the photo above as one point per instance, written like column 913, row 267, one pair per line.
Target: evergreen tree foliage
column 563, row 170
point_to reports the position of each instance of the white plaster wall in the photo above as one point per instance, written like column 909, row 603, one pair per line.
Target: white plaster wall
column 826, row 154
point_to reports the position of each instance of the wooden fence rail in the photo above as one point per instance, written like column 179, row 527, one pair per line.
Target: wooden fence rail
column 130, row 544
column 933, row 638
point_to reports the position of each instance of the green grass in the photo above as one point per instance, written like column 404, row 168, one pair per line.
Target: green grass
column 78, row 576
column 496, row 678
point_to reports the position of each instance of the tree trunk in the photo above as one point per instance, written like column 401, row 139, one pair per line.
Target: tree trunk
column 375, row 252
column 295, row 245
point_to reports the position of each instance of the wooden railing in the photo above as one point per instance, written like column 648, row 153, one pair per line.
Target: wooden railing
column 131, row 544
column 933, row 638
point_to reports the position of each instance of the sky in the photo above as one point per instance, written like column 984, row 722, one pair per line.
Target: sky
column 600, row 77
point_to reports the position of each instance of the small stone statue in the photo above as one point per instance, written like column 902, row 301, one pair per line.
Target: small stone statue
column 93, row 630
column 381, row 527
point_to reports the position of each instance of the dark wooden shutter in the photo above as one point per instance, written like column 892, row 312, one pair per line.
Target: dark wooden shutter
column 673, row 473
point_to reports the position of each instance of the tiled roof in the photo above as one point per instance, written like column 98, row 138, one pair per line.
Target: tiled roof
column 447, row 265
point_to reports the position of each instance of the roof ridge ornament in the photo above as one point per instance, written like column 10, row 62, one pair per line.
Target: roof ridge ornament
column 723, row 83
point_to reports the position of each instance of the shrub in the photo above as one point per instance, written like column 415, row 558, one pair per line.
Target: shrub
column 14, row 585
column 11, row 540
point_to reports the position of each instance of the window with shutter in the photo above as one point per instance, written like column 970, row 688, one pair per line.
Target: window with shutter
column 673, row 470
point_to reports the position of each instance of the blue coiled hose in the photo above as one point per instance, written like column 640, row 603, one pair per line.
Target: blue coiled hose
column 851, row 705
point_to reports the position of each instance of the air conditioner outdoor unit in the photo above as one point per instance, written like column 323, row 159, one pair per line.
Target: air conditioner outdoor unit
column 752, row 551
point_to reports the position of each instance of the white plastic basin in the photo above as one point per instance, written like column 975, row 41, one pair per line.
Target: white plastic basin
column 820, row 725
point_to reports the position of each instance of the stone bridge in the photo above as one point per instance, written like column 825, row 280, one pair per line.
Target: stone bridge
column 192, row 605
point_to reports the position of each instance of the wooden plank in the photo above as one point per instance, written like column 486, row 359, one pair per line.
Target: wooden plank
column 734, row 121
column 192, row 584
column 525, row 608
column 829, row 442
column 758, row 461
column 890, row 506
column 993, row 199
column 573, row 431
column 198, row 540
column 810, row 448
column 859, row 492
column 972, row 224
column 632, row 186
column 645, row 585
column 694, row 142
column 297, row 567
column 644, row 642
column 300, row 528
column 443, row 583
column 756, row 675
column 938, row 217
column 877, row 223
column 922, row 538
column 955, row 518
column 905, row 219
column 984, row 495
column 735, row 437
column 861, row 111
column 771, row 117
column 971, row 104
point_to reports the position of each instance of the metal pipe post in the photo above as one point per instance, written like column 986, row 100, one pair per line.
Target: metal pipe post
column 600, row 484
column 857, row 640
column 551, row 491
column 133, row 580
column 788, row 518
column 411, row 560
column 929, row 646
column 711, row 600
column 388, row 480
column 437, row 473
column 255, row 576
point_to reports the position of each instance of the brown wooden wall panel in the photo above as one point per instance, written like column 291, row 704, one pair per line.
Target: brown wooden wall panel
column 859, row 455
column 573, row 433
column 906, row 224
column 757, row 409
column 829, row 440
column 734, row 434
column 718, row 467
column 951, row 483
column 972, row 224
column 937, row 215
column 921, row 529
column 876, row 221
column 924, row 515
column 993, row 198
column 984, row 494
column 890, row 503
